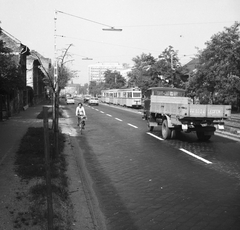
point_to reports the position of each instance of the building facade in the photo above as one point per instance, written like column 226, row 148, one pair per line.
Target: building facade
column 37, row 69
column 30, row 72
column 96, row 71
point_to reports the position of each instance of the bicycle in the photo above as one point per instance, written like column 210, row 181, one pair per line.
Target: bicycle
column 81, row 122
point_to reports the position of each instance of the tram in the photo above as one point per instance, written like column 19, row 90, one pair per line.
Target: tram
column 129, row 97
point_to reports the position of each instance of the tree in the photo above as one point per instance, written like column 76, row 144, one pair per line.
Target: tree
column 83, row 89
column 167, row 69
column 95, row 88
column 113, row 80
column 140, row 76
column 10, row 74
column 218, row 73
column 149, row 71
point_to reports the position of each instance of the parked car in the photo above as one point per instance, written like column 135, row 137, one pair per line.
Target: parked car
column 86, row 98
column 93, row 101
column 70, row 100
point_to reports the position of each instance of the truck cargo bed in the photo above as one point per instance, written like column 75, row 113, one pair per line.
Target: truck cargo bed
column 183, row 107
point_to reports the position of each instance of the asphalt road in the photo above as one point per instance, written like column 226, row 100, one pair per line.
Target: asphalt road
column 144, row 182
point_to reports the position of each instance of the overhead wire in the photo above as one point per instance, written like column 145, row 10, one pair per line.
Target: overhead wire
column 84, row 18
column 176, row 24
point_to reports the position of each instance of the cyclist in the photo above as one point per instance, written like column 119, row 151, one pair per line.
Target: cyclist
column 80, row 113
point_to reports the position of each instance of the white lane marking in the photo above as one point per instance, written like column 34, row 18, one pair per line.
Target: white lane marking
column 96, row 109
column 183, row 150
column 109, row 115
column 159, row 138
column 132, row 125
column 118, row 119
column 101, row 112
column 193, row 155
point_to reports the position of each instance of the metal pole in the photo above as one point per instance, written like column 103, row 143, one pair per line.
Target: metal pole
column 1, row 115
column 55, row 98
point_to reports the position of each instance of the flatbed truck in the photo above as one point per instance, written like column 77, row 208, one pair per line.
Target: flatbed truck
column 176, row 113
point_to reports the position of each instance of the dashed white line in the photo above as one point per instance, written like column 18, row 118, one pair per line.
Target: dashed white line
column 132, row 125
column 118, row 119
column 183, row 150
column 101, row 112
column 159, row 138
column 109, row 115
column 198, row 157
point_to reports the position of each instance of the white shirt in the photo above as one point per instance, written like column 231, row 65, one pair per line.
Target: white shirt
column 80, row 111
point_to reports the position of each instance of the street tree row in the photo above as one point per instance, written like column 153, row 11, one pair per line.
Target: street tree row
column 215, row 78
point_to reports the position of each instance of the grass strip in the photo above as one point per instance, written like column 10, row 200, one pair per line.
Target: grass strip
column 30, row 167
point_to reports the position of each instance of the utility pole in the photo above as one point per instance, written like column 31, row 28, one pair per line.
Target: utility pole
column 55, row 88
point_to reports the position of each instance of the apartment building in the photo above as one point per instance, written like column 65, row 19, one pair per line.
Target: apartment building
column 96, row 71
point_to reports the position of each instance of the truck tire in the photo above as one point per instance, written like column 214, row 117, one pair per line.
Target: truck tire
column 166, row 132
column 203, row 137
column 175, row 133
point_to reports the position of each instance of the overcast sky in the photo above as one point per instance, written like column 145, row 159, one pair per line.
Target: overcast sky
column 148, row 26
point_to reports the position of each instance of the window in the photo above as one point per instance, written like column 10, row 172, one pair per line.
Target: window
column 168, row 93
column 136, row 94
column 129, row 94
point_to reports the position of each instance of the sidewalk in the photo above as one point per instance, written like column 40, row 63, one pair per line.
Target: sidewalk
column 11, row 133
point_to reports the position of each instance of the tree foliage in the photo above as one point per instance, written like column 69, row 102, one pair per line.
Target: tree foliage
column 149, row 71
column 113, row 80
column 140, row 76
column 96, row 88
column 10, row 74
column 217, row 79
column 83, row 89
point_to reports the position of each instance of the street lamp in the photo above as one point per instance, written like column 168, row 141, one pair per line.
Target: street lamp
column 112, row 29
column 86, row 59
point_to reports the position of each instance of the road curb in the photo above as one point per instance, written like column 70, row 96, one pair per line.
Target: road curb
column 87, row 213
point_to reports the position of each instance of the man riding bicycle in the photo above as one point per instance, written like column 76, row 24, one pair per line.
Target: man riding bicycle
column 80, row 113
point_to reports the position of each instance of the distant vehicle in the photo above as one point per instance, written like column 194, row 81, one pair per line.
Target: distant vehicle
column 93, row 101
column 129, row 97
column 70, row 100
column 86, row 98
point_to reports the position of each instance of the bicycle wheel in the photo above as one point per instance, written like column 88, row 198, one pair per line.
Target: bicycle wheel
column 80, row 127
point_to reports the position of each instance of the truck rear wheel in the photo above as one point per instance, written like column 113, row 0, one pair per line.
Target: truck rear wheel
column 175, row 133
column 166, row 132
column 203, row 137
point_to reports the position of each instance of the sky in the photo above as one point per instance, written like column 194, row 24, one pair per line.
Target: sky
column 148, row 26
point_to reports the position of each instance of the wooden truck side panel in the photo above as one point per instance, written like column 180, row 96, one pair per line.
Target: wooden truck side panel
column 168, row 105
column 183, row 107
column 210, row 111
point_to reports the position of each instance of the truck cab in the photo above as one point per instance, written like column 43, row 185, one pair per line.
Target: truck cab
column 156, row 92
